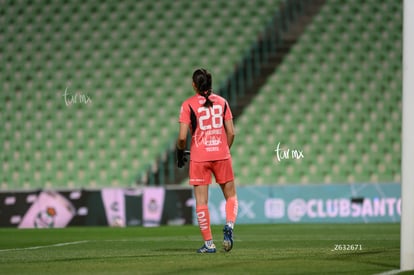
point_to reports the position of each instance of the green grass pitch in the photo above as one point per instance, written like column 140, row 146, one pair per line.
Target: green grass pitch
column 258, row 249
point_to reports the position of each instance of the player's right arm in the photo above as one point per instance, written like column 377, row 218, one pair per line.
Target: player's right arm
column 228, row 125
column 182, row 136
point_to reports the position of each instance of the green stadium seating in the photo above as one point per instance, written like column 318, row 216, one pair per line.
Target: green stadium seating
column 336, row 96
column 133, row 59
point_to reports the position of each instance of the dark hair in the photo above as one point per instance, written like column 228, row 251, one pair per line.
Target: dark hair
column 202, row 81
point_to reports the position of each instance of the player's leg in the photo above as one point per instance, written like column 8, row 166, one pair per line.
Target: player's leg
column 230, row 195
column 223, row 171
column 201, row 175
column 229, row 191
column 203, row 218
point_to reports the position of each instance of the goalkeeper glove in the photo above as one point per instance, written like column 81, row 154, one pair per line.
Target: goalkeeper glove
column 181, row 159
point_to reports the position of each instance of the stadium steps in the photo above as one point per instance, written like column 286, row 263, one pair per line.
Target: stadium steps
column 289, row 38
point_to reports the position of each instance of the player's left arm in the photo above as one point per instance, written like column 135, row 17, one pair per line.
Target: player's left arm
column 228, row 125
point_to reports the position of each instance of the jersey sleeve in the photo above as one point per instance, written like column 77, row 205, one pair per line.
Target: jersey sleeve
column 185, row 114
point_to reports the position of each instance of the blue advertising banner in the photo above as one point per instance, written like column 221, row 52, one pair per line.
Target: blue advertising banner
column 322, row 203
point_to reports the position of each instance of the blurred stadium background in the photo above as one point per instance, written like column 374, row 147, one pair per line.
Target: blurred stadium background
column 90, row 91
column 90, row 97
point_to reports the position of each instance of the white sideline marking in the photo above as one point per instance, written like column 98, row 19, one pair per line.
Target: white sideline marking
column 43, row 246
column 146, row 239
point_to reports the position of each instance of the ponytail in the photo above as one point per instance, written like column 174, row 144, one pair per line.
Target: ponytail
column 202, row 80
column 208, row 102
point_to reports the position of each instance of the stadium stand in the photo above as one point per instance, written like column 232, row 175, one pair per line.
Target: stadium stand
column 336, row 97
column 90, row 91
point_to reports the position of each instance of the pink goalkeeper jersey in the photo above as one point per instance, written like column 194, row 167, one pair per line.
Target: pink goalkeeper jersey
column 209, row 139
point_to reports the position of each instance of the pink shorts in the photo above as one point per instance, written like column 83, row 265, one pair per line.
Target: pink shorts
column 200, row 172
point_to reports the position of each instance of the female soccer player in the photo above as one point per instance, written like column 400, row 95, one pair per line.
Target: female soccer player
column 209, row 118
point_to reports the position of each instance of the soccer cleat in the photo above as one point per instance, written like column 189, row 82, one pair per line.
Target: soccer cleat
column 228, row 238
column 206, row 249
